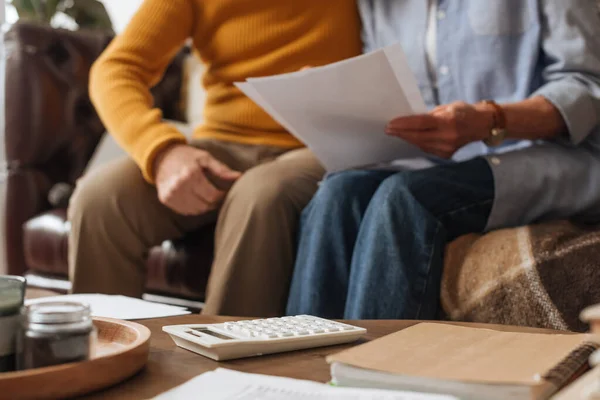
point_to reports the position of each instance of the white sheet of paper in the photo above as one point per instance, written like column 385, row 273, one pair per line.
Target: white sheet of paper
column 119, row 307
column 224, row 384
column 340, row 110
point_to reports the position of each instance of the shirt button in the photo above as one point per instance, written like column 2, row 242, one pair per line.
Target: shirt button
column 441, row 15
column 444, row 70
column 495, row 160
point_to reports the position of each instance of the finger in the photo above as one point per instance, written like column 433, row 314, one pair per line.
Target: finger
column 414, row 123
column 436, row 144
column 196, row 204
column 410, row 137
column 185, row 202
column 220, row 170
column 439, row 109
column 206, row 191
column 415, row 136
column 429, row 136
column 193, row 180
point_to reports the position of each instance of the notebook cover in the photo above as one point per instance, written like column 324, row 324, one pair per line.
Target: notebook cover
column 448, row 352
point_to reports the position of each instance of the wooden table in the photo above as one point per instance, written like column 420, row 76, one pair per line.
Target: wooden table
column 170, row 366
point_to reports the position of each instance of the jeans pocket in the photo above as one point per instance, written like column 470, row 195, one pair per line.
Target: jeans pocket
column 499, row 17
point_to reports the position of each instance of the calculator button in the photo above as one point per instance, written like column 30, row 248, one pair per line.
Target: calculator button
column 236, row 328
column 247, row 332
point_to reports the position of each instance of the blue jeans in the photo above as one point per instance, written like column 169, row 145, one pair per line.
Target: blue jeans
column 371, row 243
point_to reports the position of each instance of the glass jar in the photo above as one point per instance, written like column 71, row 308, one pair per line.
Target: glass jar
column 12, row 292
column 55, row 333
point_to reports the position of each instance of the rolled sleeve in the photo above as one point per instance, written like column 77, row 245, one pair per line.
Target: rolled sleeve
column 571, row 48
column 578, row 109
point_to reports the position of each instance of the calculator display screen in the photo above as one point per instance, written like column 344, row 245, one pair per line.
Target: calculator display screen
column 207, row 331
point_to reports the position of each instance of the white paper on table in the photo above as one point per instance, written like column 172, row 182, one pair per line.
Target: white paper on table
column 119, row 307
column 340, row 110
column 224, row 384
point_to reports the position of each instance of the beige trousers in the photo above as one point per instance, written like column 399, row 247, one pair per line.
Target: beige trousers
column 116, row 218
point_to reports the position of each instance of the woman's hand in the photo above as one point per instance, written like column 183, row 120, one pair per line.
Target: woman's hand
column 445, row 129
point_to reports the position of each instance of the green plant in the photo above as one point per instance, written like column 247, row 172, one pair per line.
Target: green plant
column 86, row 13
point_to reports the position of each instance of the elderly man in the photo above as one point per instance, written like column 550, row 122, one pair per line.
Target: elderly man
column 241, row 165
column 514, row 134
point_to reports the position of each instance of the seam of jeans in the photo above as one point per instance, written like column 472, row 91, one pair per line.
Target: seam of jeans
column 463, row 208
column 439, row 225
column 437, row 230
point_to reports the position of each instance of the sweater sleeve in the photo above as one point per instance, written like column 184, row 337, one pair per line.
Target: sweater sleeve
column 121, row 78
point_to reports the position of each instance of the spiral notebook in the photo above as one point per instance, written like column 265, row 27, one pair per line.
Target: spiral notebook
column 469, row 363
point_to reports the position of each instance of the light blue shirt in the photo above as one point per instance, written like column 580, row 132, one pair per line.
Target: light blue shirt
column 509, row 50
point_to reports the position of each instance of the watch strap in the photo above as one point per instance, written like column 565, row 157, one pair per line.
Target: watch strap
column 499, row 115
column 498, row 131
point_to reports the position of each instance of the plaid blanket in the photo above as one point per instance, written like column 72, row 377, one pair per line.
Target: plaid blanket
column 540, row 276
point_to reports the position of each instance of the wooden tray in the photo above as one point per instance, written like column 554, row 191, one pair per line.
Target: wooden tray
column 121, row 351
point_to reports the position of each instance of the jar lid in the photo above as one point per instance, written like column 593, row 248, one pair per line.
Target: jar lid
column 12, row 293
column 57, row 312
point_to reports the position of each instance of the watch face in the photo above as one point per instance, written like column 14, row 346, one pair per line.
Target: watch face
column 496, row 138
column 499, row 133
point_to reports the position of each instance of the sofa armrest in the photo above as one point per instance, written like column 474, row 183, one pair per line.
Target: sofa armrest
column 52, row 130
column 51, row 126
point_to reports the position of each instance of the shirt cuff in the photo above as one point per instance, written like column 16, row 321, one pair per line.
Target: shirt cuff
column 575, row 105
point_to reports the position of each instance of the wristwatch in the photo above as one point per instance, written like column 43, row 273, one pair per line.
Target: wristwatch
column 498, row 131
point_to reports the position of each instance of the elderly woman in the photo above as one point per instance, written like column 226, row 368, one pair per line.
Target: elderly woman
column 514, row 134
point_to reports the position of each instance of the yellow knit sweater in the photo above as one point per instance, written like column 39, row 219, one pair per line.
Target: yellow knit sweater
column 236, row 39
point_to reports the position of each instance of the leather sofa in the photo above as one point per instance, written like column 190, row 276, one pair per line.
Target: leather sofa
column 52, row 131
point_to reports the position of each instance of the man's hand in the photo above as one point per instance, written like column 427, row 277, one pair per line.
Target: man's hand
column 445, row 129
column 185, row 179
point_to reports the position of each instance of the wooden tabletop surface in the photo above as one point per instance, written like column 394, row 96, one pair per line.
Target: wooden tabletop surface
column 169, row 366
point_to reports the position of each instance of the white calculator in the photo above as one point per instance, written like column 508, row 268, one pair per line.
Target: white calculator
column 240, row 339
